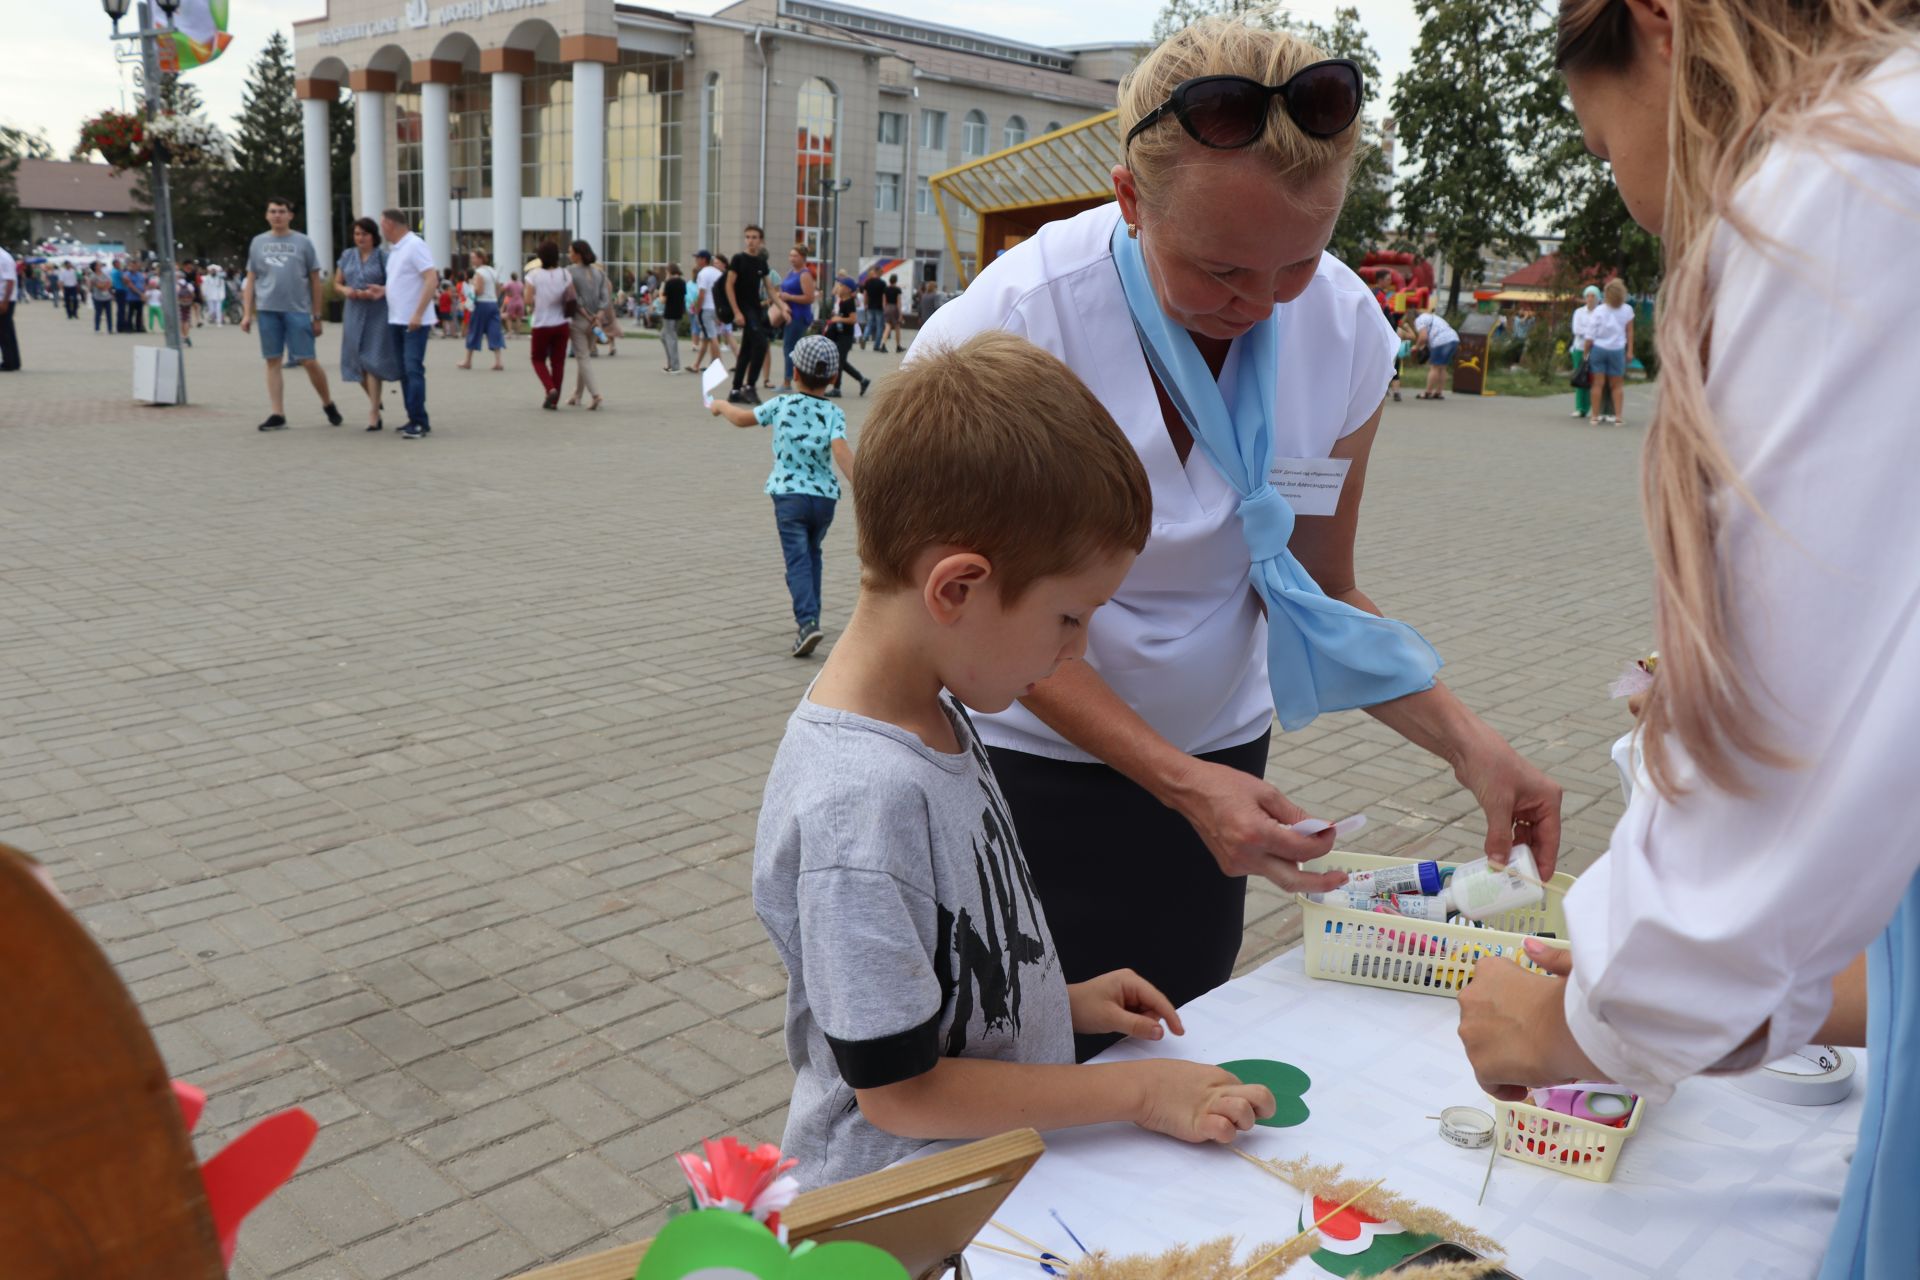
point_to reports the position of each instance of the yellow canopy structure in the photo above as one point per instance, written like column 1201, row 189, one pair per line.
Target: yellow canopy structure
column 1013, row 193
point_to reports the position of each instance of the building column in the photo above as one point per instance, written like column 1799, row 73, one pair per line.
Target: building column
column 506, row 67
column 436, row 81
column 589, row 56
column 370, row 92
column 316, row 110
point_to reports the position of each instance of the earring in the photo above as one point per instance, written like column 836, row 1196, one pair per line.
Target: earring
column 1133, row 231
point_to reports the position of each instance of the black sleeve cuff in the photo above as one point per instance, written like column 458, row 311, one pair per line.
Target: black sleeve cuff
column 874, row 1064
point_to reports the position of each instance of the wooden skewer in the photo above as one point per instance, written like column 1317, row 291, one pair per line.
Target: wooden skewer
column 1258, row 1163
column 1011, row 1253
column 1285, row 1245
column 1026, row 1240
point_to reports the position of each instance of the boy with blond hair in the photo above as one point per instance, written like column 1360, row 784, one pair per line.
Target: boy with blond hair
column 999, row 506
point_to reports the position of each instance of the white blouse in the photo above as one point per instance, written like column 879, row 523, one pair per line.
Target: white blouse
column 1714, row 914
column 1183, row 641
column 1607, row 326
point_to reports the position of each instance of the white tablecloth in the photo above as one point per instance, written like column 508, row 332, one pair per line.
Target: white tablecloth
column 1717, row 1183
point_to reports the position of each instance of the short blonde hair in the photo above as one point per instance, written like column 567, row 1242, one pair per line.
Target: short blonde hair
column 995, row 446
column 1616, row 292
column 1219, row 46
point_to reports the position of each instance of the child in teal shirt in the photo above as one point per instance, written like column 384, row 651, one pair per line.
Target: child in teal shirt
column 809, row 437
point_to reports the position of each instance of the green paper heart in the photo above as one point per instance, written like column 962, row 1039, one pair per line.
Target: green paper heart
column 728, row 1244
column 1287, row 1082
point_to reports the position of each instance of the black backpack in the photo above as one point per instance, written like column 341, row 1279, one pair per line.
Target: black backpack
column 721, row 307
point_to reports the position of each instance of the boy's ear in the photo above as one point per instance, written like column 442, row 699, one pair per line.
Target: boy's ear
column 953, row 583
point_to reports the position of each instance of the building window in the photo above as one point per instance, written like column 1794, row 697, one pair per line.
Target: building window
column 886, row 192
column 710, row 167
column 818, row 117
column 926, row 266
column 933, row 131
column 470, row 149
column 973, row 135
column 1054, row 126
column 893, row 128
column 922, row 196
column 1015, row 133
column 408, row 194
column 546, row 137
column 642, row 219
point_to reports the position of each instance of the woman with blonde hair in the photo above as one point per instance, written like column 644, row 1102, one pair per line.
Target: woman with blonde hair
column 1202, row 310
column 1772, row 146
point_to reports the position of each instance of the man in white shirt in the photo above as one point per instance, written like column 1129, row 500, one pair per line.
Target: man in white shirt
column 69, row 280
column 412, row 281
column 213, row 292
column 9, row 294
column 486, row 312
column 1432, row 331
column 704, row 315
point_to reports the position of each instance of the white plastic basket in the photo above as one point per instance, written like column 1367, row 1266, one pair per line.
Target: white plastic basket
column 1379, row 950
column 1583, row 1148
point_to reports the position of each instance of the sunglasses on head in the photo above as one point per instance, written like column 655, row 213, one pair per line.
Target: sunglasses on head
column 1226, row 112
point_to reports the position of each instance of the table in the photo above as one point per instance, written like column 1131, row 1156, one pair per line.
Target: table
column 1716, row 1183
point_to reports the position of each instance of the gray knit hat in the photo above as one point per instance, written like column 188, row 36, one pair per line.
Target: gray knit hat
column 816, row 357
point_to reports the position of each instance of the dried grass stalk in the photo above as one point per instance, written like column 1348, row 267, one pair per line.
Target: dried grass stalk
column 1330, row 1183
column 1211, row 1261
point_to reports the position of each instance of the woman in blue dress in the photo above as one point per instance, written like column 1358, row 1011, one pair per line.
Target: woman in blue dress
column 367, row 354
column 1762, row 892
column 797, row 290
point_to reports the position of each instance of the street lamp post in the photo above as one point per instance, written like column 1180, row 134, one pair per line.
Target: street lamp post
column 832, row 187
column 148, row 36
column 459, row 221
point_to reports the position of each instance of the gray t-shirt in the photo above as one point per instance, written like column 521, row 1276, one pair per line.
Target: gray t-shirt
column 282, row 268
column 890, row 880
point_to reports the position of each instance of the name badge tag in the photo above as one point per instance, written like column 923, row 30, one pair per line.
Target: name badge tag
column 1311, row 486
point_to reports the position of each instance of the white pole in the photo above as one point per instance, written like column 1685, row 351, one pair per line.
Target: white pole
column 590, row 152
column 370, row 139
column 507, row 257
column 315, row 122
column 436, row 173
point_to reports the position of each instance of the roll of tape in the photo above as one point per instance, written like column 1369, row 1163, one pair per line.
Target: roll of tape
column 1467, row 1127
column 1816, row 1076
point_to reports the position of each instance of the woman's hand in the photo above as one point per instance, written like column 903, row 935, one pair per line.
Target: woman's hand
column 1513, row 1025
column 1521, row 803
column 1247, row 826
column 1122, row 1001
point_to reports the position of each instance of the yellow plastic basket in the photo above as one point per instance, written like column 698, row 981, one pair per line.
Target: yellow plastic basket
column 1378, row 950
column 1534, row 1135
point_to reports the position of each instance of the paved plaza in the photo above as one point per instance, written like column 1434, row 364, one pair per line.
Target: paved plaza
column 415, row 783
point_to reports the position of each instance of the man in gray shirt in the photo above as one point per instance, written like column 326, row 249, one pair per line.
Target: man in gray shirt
column 285, row 294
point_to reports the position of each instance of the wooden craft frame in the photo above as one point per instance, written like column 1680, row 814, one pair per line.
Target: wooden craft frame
column 923, row 1212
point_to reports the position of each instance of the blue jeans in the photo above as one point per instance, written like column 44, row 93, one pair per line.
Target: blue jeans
column 485, row 324
column 102, row 314
column 876, row 325
column 412, row 345
column 803, row 520
column 796, row 330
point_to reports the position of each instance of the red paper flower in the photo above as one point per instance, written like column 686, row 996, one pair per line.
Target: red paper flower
column 741, row 1178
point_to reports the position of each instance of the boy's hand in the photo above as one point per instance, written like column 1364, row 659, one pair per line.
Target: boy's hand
column 1198, row 1103
column 1122, row 1001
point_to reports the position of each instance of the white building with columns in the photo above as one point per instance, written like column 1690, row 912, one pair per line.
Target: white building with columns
column 651, row 134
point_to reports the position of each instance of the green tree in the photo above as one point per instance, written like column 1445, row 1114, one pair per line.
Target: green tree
column 1473, row 112
column 1183, row 13
column 16, row 145
column 267, row 151
column 1369, row 205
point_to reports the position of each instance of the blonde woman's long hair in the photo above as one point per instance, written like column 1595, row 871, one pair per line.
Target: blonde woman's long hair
column 1745, row 73
column 1220, row 46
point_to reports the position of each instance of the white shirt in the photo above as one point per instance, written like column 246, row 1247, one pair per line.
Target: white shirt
column 707, row 279
column 549, row 296
column 9, row 277
column 1439, row 332
column 1607, row 326
column 486, row 285
column 68, row 279
column 1714, row 914
column 1183, row 641
column 408, row 261
column 1582, row 322
column 213, row 288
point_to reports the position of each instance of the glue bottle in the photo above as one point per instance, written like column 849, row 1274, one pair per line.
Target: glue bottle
column 1477, row 890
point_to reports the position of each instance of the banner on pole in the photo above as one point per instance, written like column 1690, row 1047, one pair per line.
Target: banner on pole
column 195, row 36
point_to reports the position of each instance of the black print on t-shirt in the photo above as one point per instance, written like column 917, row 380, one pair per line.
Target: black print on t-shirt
column 970, row 967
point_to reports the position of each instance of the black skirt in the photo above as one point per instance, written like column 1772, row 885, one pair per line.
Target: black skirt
column 1126, row 882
